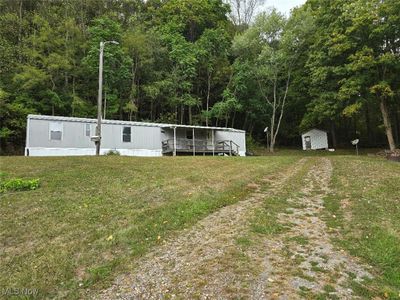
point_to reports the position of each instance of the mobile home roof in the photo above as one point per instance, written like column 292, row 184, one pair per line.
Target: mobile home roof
column 119, row 122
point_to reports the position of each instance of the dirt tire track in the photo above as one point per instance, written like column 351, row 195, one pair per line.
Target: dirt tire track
column 189, row 266
column 321, row 264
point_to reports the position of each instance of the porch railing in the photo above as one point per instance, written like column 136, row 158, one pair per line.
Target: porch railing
column 200, row 145
column 228, row 145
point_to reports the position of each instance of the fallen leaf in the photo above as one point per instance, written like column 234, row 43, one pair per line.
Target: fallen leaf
column 270, row 280
column 110, row 238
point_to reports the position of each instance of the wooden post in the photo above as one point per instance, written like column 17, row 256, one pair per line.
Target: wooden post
column 230, row 148
column 194, row 145
column 212, row 141
column 174, row 153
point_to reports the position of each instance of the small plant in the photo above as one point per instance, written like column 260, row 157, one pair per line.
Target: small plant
column 19, row 184
column 112, row 152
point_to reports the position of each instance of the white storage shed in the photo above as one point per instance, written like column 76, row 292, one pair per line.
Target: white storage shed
column 315, row 139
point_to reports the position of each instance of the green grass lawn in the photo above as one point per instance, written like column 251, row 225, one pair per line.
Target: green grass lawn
column 365, row 207
column 259, row 150
column 92, row 216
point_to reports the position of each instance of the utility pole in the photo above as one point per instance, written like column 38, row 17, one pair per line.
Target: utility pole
column 99, row 100
column 105, row 105
column 97, row 138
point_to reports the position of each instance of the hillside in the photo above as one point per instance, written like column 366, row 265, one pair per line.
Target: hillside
column 96, row 226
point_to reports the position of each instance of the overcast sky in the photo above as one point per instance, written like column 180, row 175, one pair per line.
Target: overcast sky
column 283, row 6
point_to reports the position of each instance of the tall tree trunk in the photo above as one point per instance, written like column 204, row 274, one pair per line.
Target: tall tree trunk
column 387, row 123
column 333, row 134
column 20, row 32
column 246, row 120
column 368, row 125
column 73, row 95
column 355, row 126
column 134, row 86
column 182, row 113
column 278, row 104
column 271, row 147
column 151, row 110
column 251, row 128
column 208, row 94
column 52, row 89
column 396, row 127
column 67, row 56
column 272, row 129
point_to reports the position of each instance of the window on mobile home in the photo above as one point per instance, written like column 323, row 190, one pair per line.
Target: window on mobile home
column 87, row 130
column 126, row 134
column 55, row 131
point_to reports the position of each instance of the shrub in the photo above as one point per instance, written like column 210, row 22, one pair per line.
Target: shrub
column 19, row 184
column 252, row 145
column 112, row 152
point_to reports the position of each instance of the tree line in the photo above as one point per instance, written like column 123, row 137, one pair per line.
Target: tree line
column 331, row 64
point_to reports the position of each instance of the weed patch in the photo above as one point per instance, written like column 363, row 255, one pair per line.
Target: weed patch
column 18, row 184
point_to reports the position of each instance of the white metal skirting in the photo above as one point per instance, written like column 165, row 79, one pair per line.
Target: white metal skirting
column 41, row 151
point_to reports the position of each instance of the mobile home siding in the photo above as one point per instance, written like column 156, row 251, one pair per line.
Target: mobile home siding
column 73, row 135
column 237, row 137
column 145, row 139
column 141, row 137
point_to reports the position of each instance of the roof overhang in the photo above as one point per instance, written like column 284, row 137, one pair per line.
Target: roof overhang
column 172, row 126
column 132, row 123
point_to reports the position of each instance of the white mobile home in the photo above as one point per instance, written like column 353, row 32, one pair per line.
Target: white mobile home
column 64, row 136
column 314, row 139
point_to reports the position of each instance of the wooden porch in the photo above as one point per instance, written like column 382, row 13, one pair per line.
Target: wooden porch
column 199, row 147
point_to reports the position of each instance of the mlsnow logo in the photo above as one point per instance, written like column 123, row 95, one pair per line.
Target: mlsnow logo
column 19, row 292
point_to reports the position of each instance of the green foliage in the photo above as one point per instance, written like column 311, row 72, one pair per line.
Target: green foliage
column 113, row 153
column 184, row 61
column 18, row 184
column 352, row 62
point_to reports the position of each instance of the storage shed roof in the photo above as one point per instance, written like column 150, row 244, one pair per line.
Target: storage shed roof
column 314, row 129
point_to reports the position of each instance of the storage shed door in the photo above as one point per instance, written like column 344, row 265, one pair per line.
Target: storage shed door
column 307, row 141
